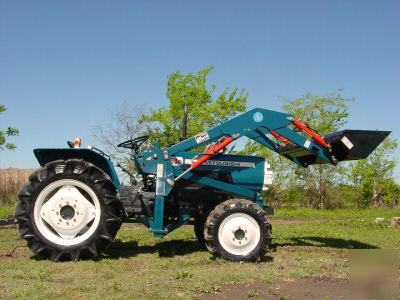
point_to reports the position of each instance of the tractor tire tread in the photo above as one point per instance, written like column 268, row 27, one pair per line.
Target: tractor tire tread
column 223, row 210
column 91, row 175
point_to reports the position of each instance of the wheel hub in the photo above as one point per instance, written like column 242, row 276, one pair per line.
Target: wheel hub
column 67, row 212
column 64, row 214
column 239, row 234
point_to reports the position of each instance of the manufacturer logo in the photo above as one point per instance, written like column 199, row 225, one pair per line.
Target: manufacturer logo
column 258, row 117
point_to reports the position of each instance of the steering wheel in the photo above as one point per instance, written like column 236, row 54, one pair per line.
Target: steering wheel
column 134, row 144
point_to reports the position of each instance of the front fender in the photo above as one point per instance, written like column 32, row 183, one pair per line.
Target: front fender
column 46, row 155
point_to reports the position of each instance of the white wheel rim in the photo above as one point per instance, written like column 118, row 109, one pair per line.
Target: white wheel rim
column 239, row 234
column 65, row 216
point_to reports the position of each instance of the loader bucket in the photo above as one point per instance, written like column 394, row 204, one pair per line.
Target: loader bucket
column 354, row 144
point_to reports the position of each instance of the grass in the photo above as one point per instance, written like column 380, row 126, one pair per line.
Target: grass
column 6, row 211
column 307, row 243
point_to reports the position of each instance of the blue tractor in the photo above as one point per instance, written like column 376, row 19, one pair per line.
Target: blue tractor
column 73, row 206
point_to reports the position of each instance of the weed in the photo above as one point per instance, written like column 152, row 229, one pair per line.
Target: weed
column 253, row 293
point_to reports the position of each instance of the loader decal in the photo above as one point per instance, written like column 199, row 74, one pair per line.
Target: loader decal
column 347, row 142
column 201, row 137
column 258, row 117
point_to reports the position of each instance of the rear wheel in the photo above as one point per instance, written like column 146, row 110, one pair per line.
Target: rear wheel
column 237, row 230
column 68, row 210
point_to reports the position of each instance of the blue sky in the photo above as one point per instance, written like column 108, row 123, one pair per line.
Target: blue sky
column 65, row 64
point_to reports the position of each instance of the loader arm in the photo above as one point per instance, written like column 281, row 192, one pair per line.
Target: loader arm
column 257, row 124
column 279, row 132
column 289, row 137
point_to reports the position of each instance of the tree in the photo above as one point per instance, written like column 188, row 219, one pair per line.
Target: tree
column 124, row 125
column 191, row 92
column 374, row 176
column 10, row 131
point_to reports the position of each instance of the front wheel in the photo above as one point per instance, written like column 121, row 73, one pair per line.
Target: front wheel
column 237, row 230
column 68, row 210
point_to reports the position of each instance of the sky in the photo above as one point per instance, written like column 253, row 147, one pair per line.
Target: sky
column 65, row 65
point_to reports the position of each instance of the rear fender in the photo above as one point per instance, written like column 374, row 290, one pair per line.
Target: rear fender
column 44, row 156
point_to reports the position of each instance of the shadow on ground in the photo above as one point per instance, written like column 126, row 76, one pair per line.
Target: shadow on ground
column 120, row 249
column 314, row 241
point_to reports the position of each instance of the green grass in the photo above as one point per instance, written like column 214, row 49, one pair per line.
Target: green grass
column 6, row 211
column 307, row 243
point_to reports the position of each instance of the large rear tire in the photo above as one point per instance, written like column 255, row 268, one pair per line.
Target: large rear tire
column 68, row 210
column 237, row 230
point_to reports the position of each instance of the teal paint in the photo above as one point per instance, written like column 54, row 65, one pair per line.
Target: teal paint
column 113, row 174
column 157, row 222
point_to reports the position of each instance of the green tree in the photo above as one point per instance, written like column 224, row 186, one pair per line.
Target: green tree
column 4, row 134
column 374, row 176
column 204, row 110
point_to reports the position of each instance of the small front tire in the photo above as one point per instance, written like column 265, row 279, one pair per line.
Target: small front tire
column 237, row 230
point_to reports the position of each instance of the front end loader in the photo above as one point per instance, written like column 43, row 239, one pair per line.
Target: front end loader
column 73, row 206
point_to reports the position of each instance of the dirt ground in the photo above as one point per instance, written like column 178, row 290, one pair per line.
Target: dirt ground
column 306, row 288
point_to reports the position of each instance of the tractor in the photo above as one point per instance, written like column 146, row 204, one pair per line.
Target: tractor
column 73, row 206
